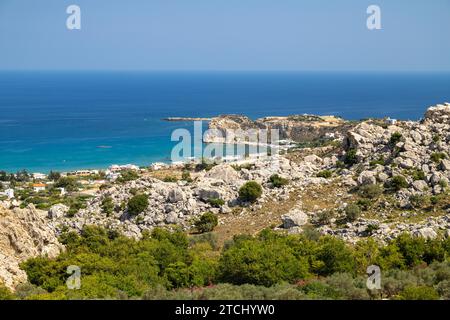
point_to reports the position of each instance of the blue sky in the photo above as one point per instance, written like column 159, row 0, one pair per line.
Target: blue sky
column 225, row 35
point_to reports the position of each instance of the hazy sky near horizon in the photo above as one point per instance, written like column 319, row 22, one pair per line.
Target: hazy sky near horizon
column 225, row 35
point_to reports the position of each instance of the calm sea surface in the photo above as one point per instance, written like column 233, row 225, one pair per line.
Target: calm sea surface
column 58, row 120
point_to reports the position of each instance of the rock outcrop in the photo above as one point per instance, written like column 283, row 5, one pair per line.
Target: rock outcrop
column 24, row 233
column 301, row 128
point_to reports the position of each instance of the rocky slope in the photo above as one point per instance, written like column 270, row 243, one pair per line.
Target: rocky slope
column 381, row 152
column 24, row 233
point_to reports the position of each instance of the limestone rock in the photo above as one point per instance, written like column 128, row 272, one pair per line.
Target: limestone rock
column 295, row 218
column 24, row 234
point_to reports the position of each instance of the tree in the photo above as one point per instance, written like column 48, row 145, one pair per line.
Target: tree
column 54, row 175
column 250, row 191
column 137, row 204
column 207, row 222
column 68, row 183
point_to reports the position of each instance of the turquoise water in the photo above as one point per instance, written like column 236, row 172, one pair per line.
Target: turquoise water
column 58, row 120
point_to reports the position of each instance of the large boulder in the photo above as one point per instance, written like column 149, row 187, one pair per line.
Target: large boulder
column 367, row 177
column 295, row 218
column 176, row 195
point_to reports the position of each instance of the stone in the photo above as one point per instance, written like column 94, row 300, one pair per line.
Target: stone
column 57, row 211
column 24, row 234
column 427, row 233
column 367, row 177
column 445, row 165
column 295, row 218
column 420, row 185
column 176, row 195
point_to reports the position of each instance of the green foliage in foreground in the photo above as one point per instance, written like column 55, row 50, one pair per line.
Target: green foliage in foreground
column 173, row 265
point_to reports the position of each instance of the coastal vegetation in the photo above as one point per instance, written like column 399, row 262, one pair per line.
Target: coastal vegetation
column 270, row 265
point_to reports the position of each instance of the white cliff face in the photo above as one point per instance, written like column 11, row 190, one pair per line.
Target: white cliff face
column 24, row 233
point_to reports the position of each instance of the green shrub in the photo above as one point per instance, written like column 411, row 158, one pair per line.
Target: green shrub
column 325, row 174
column 418, row 293
column 5, row 293
column 261, row 262
column 216, row 202
column 128, row 175
column 250, row 191
column 370, row 191
column 438, row 156
column 324, row 217
column 418, row 174
column 396, row 137
column 137, row 204
column 207, row 222
column 380, row 161
column 107, row 205
column 352, row 212
column 278, row 181
column 68, row 183
column 398, row 182
column 364, row 204
column 170, row 179
column 186, row 176
column 350, row 157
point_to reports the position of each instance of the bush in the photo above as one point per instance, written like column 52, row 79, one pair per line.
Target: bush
column 186, row 176
column 216, row 202
column 350, row 157
column 261, row 262
column 418, row 293
column 352, row 212
column 370, row 191
column 418, row 174
column 128, row 175
column 250, row 191
column 108, row 205
column 137, row 204
column 5, row 294
column 207, row 222
column 170, row 179
column 324, row 217
column 398, row 182
column 278, row 181
column 325, row 174
column 54, row 175
column 437, row 156
column 396, row 137
column 68, row 183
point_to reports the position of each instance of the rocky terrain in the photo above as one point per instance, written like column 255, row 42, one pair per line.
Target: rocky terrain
column 396, row 174
column 24, row 233
column 301, row 128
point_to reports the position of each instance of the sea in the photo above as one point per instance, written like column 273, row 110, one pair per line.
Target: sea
column 89, row 120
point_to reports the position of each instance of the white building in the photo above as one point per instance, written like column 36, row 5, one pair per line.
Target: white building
column 391, row 121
